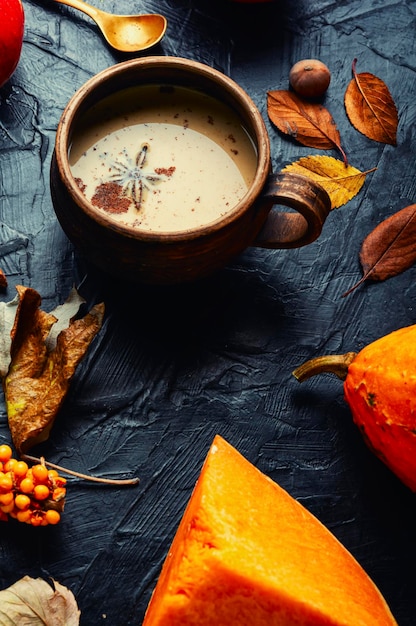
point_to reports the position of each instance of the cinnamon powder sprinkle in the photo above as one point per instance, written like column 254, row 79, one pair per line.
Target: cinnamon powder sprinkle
column 80, row 184
column 109, row 197
column 167, row 171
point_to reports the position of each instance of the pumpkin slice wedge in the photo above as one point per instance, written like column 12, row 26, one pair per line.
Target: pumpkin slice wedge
column 247, row 553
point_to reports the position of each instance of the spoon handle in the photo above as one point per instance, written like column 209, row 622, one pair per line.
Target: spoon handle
column 81, row 6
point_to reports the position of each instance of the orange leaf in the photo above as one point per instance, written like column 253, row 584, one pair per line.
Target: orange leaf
column 371, row 108
column 310, row 123
column 390, row 248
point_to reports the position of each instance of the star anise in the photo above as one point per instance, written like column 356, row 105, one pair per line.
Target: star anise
column 130, row 174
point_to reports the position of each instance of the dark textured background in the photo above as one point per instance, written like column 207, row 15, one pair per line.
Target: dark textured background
column 172, row 367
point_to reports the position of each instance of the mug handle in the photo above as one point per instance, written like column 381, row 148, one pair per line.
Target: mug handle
column 310, row 202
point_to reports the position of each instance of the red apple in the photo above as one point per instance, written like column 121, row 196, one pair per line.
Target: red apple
column 12, row 20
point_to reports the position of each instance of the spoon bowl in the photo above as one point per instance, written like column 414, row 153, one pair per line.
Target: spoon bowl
column 126, row 33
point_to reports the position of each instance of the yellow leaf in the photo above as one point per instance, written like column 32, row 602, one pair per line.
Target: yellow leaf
column 342, row 182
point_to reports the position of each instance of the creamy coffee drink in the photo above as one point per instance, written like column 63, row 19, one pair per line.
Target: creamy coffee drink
column 162, row 159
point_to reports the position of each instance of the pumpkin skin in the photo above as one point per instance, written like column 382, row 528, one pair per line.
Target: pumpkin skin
column 248, row 554
column 380, row 389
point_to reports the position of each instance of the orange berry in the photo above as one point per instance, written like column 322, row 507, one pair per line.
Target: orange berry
column 59, row 494
column 52, row 516
column 6, row 482
column 5, row 453
column 24, row 516
column 26, row 485
column 40, row 473
column 22, row 501
column 60, row 481
column 41, row 492
column 6, row 508
column 9, row 465
column 36, row 519
column 6, row 498
column 20, row 469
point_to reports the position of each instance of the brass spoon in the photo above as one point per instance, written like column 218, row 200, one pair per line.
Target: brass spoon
column 127, row 33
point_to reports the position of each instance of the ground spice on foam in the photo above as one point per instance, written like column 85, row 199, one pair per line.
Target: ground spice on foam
column 109, row 197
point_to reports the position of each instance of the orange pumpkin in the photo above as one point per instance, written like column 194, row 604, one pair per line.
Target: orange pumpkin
column 380, row 388
column 248, row 554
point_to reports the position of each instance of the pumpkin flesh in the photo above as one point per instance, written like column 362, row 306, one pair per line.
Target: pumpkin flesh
column 247, row 553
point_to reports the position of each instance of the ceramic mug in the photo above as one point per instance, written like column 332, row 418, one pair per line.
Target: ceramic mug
column 187, row 100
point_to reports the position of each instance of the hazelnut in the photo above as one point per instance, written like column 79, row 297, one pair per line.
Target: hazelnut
column 310, row 78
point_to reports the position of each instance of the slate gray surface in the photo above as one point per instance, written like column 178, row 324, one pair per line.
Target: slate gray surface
column 173, row 367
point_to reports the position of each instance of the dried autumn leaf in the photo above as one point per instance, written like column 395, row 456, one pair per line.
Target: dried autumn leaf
column 341, row 182
column 39, row 377
column 310, row 123
column 371, row 108
column 34, row 601
column 3, row 280
column 390, row 248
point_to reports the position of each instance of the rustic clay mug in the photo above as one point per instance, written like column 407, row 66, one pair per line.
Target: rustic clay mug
column 174, row 255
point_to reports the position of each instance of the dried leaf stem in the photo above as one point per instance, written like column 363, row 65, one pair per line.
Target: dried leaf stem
column 96, row 479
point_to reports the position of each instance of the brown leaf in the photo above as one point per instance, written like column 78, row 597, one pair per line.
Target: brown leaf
column 39, row 377
column 3, row 280
column 390, row 248
column 371, row 108
column 310, row 123
column 34, row 601
column 341, row 182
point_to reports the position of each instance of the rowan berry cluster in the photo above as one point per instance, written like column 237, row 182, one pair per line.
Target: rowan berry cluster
column 34, row 495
